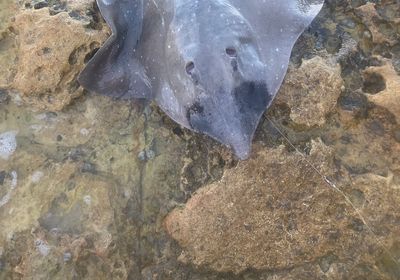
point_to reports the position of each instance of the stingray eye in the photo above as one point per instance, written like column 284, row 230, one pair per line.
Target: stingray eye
column 231, row 51
column 190, row 71
column 189, row 67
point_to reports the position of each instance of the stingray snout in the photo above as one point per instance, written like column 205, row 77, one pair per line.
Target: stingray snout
column 231, row 115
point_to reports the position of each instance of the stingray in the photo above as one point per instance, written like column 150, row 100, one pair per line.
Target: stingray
column 213, row 66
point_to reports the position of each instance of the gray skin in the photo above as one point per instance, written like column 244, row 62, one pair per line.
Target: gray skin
column 115, row 70
column 214, row 66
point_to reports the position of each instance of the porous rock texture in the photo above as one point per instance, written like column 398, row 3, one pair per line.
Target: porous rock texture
column 52, row 44
column 386, row 84
column 312, row 90
column 257, row 216
column 274, row 212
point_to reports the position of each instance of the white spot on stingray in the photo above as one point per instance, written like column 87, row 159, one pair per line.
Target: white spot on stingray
column 8, row 144
column 108, row 2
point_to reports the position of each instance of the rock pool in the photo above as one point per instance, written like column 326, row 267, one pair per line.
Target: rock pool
column 92, row 188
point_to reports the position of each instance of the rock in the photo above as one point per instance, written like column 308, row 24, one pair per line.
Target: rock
column 274, row 212
column 87, row 194
column 8, row 186
column 59, row 218
column 52, row 50
column 385, row 85
column 8, row 47
column 372, row 18
column 270, row 212
column 311, row 91
column 7, row 8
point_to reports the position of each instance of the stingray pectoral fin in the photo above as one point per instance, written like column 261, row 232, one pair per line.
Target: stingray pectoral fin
column 115, row 70
column 278, row 24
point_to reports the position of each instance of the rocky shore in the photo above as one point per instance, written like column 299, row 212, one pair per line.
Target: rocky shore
column 92, row 188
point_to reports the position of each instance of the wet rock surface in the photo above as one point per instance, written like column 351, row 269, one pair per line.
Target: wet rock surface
column 258, row 217
column 383, row 83
column 312, row 90
column 92, row 188
column 51, row 44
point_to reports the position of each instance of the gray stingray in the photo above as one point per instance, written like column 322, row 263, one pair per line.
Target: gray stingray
column 214, row 66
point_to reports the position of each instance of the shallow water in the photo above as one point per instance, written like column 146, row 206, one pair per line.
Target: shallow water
column 84, row 191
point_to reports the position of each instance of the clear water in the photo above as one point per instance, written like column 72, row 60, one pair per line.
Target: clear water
column 84, row 191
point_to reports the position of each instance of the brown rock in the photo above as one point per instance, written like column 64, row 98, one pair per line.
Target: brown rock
column 270, row 212
column 7, row 43
column 387, row 94
column 371, row 19
column 7, row 61
column 311, row 91
column 6, row 9
column 80, row 218
column 51, row 53
column 79, row 5
column 275, row 212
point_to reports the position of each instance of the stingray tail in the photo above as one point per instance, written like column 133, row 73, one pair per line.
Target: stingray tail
column 115, row 70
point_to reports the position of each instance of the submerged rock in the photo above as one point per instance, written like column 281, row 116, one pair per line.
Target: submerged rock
column 51, row 52
column 45, row 49
column 270, row 212
column 312, row 90
column 386, row 85
column 275, row 212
